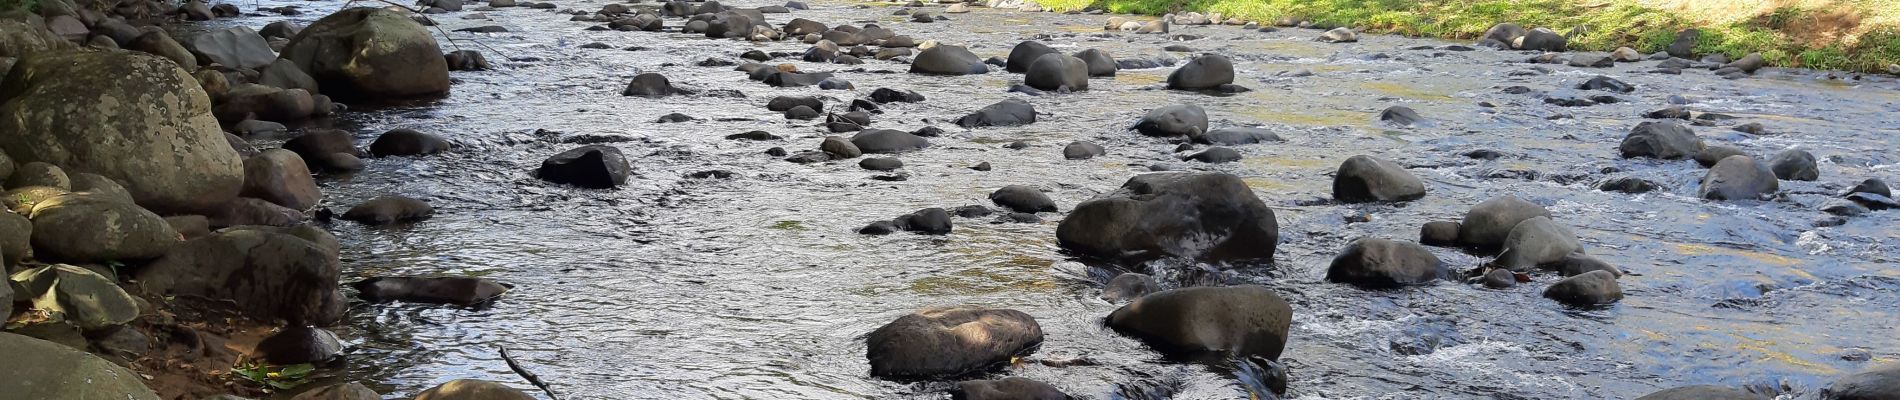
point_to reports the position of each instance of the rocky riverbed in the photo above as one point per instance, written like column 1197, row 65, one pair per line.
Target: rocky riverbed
column 712, row 266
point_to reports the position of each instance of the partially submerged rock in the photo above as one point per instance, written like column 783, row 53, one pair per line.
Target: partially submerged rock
column 950, row 341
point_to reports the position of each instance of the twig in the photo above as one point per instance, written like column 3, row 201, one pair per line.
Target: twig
column 530, row 376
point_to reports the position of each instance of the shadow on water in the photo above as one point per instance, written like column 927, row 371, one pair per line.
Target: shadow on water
column 757, row 287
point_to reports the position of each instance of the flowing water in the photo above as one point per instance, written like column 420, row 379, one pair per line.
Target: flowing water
column 757, row 287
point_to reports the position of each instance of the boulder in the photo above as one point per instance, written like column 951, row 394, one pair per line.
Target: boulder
column 1023, row 199
column 1592, row 60
column 1202, row 73
column 1100, row 63
column 235, row 47
column 368, row 53
column 1537, row 241
column 319, row 148
column 23, row 33
column 1439, row 233
column 593, row 166
column 281, row 177
column 265, row 273
column 1703, row 392
column 1214, row 155
column 1057, row 72
column 1504, row 33
column 1025, row 54
column 340, row 391
column 649, row 85
column 1238, row 136
column 90, row 228
column 929, row 221
column 40, row 174
column 948, row 60
column 16, row 244
column 135, row 118
column 887, row 141
column 888, row 95
column 784, row 103
column 1009, row 112
column 407, row 142
column 1738, row 178
column 802, row 27
column 1368, row 179
column 881, row 164
column 250, row 211
column 298, row 344
column 265, row 102
column 1877, row 383
column 280, row 30
column 1575, row 264
column 839, row 148
column 1542, row 39
column 1175, row 120
column 1714, row 154
column 474, row 389
column 461, row 291
column 1210, row 217
column 161, row 44
column 1487, row 224
column 950, row 341
column 1208, row 323
column 47, row 370
column 1011, row 388
column 1588, row 289
column 1129, row 286
column 1748, row 63
column 1339, row 35
column 1664, row 140
column 1872, row 186
column 76, row 295
column 466, row 60
column 1375, row 263
column 389, row 209
column 284, row 74
column 1607, row 84
column 1794, row 165
column 1401, row 116
column 1080, row 150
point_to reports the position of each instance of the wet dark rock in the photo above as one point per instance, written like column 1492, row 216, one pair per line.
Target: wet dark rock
column 462, row 291
column 1747, row 64
column 1714, row 154
column 1592, row 60
column 1215, row 155
column 948, row 60
column 1099, row 62
column 1175, row 120
column 1877, row 383
column 1488, row 223
column 879, row 228
column 671, row 118
column 1537, row 241
column 1011, row 388
column 1025, row 89
column 1019, row 218
column 1872, row 186
column 1210, row 217
column 1438, row 233
column 1367, row 179
column 982, row 166
column 1752, row 128
column 1057, row 72
column 475, row 389
column 881, row 164
column 1208, row 323
column 793, row 79
column 594, row 166
column 834, row 83
column 1671, row 112
column 1128, row 287
column 649, row 85
column 801, row 27
column 801, row 113
column 785, row 103
column 1025, row 54
column 972, row 211
column 466, row 60
column 1626, row 184
column 1024, row 199
column 866, row 106
column 1703, row 392
column 887, row 141
column 1499, row 279
column 929, row 221
column 1202, row 73
column 1504, row 33
column 1588, row 289
column 389, row 209
column 839, row 149
column 1794, row 165
column 1401, row 116
column 1542, row 39
column 1574, row 264
column 1375, row 263
column 1080, row 150
column 265, row 273
column 1339, row 35
column 1664, row 140
column 888, row 95
column 1009, row 112
column 1608, row 84
column 1738, row 178
column 299, row 345
column 1684, row 45
column 950, row 341
column 1238, row 136
column 407, row 142
column 1845, row 208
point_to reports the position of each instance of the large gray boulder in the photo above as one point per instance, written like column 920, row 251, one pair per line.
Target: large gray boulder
column 1703, row 392
column 1537, row 241
column 235, row 47
column 46, row 370
column 474, row 389
column 1210, row 217
column 1055, row 72
column 1026, row 54
column 1174, row 120
column 77, row 296
column 1376, row 263
column 948, row 60
column 280, row 176
column 370, row 54
column 1366, row 179
column 161, row 44
column 1664, row 140
column 132, row 117
column 1738, row 178
column 1592, row 288
column 92, row 228
column 1487, row 224
column 1208, row 323
column 1878, row 383
column 950, row 341
column 265, row 273
column 1202, row 73
column 22, row 33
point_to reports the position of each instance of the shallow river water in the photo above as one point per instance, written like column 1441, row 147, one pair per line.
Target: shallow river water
column 758, row 287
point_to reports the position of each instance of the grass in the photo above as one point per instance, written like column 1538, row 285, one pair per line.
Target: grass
column 1851, row 35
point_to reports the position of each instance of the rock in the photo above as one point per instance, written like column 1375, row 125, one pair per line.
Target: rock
column 958, row 8
column 25, row 33
column 1671, row 112
column 299, row 345
column 1574, row 264
column 929, row 221
column 1664, row 140
column 62, row 372
column 1748, row 63
column 1080, row 150
column 1872, row 186
column 1375, row 263
column 1023, row 199
column 649, row 85
column 1714, row 154
column 1589, row 289
column 475, row 389
column 99, row 185
column 1205, row 72
column 881, row 164
column 887, row 141
column 1592, row 60
column 948, row 60
column 235, row 47
column 1025, row 54
column 1626, row 184
column 161, row 44
column 1339, row 35
column 839, row 148
column 370, row 54
column 22, row 200
column 1128, row 287
column 317, row 145
column 802, row 113
column 249, row 211
column 281, row 30
column 887, row 95
column 340, row 391
column 40, row 174
column 1099, row 62
column 283, row 74
column 1439, row 233
column 1363, row 179
column 266, row 273
column 389, row 209
column 75, row 295
column 1011, row 388
column 1684, row 45
column 786, row 103
column 163, row 142
column 462, row 291
column 407, row 142
column 1009, row 112
column 1794, row 165
column 879, row 228
column 1504, row 33
column 1208, row 323
column 1542, row 39
column 982, row 166
column 1056, row 72
column 1489, row 223
column 1401, row 116
column 1877, row 383
column 1209, row 217
column 1607, row 84
column 1175, row 120
column 16, row 244
column 1537, row 241
column 280, row 177
column 1238, row 136
column 950, row 341
column 91, row 228
column 593, row 166
column 1738, row 178
column 1499, row 279
column 1625, row 54
column 1215, row 155
column 466, row 60
column 1703, row 392
column 265, row 102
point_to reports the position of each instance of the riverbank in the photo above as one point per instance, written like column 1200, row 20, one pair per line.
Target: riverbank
column 1850, row 35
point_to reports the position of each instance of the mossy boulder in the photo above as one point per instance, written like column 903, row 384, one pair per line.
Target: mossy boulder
column 369, row 54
